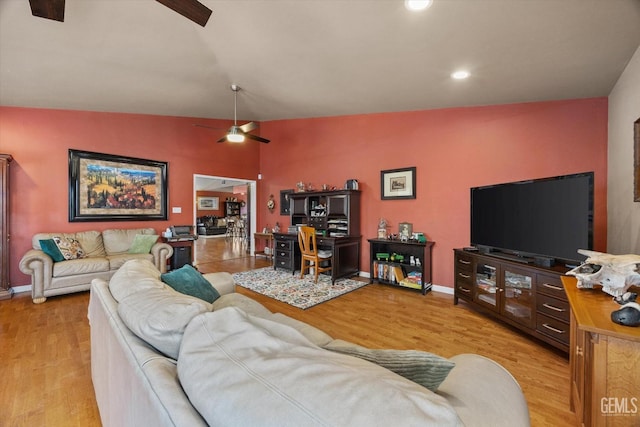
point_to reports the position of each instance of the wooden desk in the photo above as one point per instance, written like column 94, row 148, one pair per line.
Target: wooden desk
column 346, row 253
column 268, row 238
column 604, row 359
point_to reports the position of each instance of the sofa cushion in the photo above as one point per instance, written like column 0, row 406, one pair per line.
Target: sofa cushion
column 69, row 247
column 136, row 275
column 268, row 374
column 189, row 281
column 142, row 243
column 117, row 261
column 50, row 248
column 222, row 281
column 118, row 241
column 75, row 267
column 160, row 315
column 426, row 369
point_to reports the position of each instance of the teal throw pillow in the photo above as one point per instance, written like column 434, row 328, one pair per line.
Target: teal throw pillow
column 143, row 243
column 189, row 281
column 50, row 248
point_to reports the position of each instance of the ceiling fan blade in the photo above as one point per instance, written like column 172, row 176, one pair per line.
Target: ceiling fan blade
column 248, row 127
column 191, row 9
column 223, row 139
column 207, row 127
column 256, row 138
column 49, row 9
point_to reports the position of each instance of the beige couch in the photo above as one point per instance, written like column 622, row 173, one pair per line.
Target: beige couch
column 161, row 358
column 104, row 253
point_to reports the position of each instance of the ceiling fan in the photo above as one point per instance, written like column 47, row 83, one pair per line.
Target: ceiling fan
column 191, row 9
column 238, row 133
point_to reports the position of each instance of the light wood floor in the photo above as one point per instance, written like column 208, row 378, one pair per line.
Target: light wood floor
column 45, row 352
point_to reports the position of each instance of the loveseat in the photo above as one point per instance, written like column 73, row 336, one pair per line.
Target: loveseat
column 210, row 225
column 163, row 358
column 88, row 255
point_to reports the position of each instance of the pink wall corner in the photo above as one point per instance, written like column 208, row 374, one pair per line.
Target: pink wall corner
column 39, row 141
column 453, row 150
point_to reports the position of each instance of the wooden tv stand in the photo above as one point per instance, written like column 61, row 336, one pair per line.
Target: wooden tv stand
column 528, row 297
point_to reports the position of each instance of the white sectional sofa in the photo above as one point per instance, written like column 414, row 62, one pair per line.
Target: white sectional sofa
column 234, row 363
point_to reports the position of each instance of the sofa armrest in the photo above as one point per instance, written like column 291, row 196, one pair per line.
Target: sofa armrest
column 484, row 393
column 161, row 253
column 39, row 266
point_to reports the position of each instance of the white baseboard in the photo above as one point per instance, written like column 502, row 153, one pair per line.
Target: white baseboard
column 434, row 288
column 20, row 289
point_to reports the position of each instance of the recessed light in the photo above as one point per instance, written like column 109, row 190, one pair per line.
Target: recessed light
column 415, row 5
column 460, row 75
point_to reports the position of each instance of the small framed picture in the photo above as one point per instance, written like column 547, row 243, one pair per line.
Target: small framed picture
column 405, row 231
column 398, row 184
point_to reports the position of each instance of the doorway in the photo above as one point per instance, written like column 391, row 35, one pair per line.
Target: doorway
column 228, row 185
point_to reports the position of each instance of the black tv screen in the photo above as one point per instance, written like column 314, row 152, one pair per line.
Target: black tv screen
column 550, row 217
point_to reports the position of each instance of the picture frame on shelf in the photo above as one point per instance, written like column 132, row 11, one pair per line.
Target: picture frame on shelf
column 398, row 183
column 284, row 201
column 208, row 203
column 107, row 187
column 405, row 231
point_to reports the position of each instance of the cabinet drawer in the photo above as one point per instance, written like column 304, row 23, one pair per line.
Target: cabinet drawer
column 283, row 262
column 284, row 244
column 283, row 255
column 463, row 289
column 550, row 285
column 553, row 328
column 463, row 262
column 553, row 307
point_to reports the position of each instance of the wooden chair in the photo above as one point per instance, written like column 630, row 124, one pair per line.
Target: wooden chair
column 311, row 256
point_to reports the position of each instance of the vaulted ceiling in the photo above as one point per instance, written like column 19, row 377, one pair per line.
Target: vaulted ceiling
column 312, row 58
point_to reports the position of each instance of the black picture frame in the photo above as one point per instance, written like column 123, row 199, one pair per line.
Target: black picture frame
column 106, row 187
column 284, row 201
column 636, row 160
column 398, row 183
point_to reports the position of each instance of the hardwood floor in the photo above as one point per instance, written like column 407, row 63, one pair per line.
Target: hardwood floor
column 45, row 349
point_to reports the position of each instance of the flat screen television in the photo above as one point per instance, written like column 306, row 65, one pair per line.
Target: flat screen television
column 549, row 217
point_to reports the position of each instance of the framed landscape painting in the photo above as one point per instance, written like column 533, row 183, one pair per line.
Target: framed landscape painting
column 105, row 187
column 208, row 203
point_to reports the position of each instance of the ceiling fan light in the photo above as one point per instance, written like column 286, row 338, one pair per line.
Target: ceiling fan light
column 235, row 136
column 415, row 5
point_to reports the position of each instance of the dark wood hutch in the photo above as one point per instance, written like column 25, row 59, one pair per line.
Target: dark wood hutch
column 336, row 217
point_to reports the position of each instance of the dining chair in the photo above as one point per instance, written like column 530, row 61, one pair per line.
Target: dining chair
column 311, row 256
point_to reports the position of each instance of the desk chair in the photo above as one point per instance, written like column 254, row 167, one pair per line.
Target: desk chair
column 311, row 254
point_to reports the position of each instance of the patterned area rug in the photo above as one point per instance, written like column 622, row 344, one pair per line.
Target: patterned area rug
column 291, row 289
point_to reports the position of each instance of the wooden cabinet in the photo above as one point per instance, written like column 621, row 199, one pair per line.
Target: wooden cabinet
column 285, row 254
column 5, row 286
column 603, row 359
column 405, row 264
column 531, row 298
column 232, row 208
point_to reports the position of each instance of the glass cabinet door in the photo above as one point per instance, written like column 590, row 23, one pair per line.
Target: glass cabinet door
column 486, row 284
column 518, row 300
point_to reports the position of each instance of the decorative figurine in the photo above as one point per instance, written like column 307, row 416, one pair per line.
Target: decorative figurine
column 382, row 228
column 616, row 273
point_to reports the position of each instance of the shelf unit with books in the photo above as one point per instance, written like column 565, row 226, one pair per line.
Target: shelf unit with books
column 398, row 263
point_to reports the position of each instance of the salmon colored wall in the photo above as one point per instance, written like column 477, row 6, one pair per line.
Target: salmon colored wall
column 453, row 150
column 39, row 141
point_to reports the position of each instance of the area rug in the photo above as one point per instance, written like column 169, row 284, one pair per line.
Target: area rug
column 291, row 289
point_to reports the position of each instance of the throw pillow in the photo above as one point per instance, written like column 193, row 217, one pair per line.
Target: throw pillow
column 189, row 281
column 427, row 369
column 69, row 247
column 143, row 243
column 50, row 248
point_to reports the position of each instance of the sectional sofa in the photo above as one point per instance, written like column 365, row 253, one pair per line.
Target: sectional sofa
column 163, row 358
